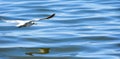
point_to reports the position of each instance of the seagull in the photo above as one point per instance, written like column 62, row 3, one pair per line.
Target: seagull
column 27, row 23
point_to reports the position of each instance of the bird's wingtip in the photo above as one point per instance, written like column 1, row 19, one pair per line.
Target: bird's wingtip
column 51, row 16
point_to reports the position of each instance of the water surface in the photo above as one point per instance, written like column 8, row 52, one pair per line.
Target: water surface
column 81, row 29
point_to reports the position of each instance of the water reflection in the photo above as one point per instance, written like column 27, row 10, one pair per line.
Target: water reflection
column 41, row 51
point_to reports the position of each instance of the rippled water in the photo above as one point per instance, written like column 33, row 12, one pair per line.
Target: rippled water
column 81, row 29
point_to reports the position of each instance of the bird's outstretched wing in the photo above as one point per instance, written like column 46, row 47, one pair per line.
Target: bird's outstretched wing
column 13, row 21
column 18, row 22
column 37, row 19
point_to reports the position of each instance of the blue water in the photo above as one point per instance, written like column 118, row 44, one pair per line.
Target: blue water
column 81, row 29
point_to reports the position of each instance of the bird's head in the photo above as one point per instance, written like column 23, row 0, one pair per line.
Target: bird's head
column 32, row 22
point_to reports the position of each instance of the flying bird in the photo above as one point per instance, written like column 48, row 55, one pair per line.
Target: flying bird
column 27, row 23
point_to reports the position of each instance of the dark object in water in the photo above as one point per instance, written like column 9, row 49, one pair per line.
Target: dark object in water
column 29, row 53
column 41, row 51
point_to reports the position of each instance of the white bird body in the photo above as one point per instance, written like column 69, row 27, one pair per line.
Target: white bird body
column 25, row 24
column 21, row 23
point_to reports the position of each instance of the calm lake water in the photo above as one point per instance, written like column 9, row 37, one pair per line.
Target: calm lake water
column 81, row 29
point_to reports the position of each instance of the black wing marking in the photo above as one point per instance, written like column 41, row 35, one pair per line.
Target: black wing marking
column 50, row 16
